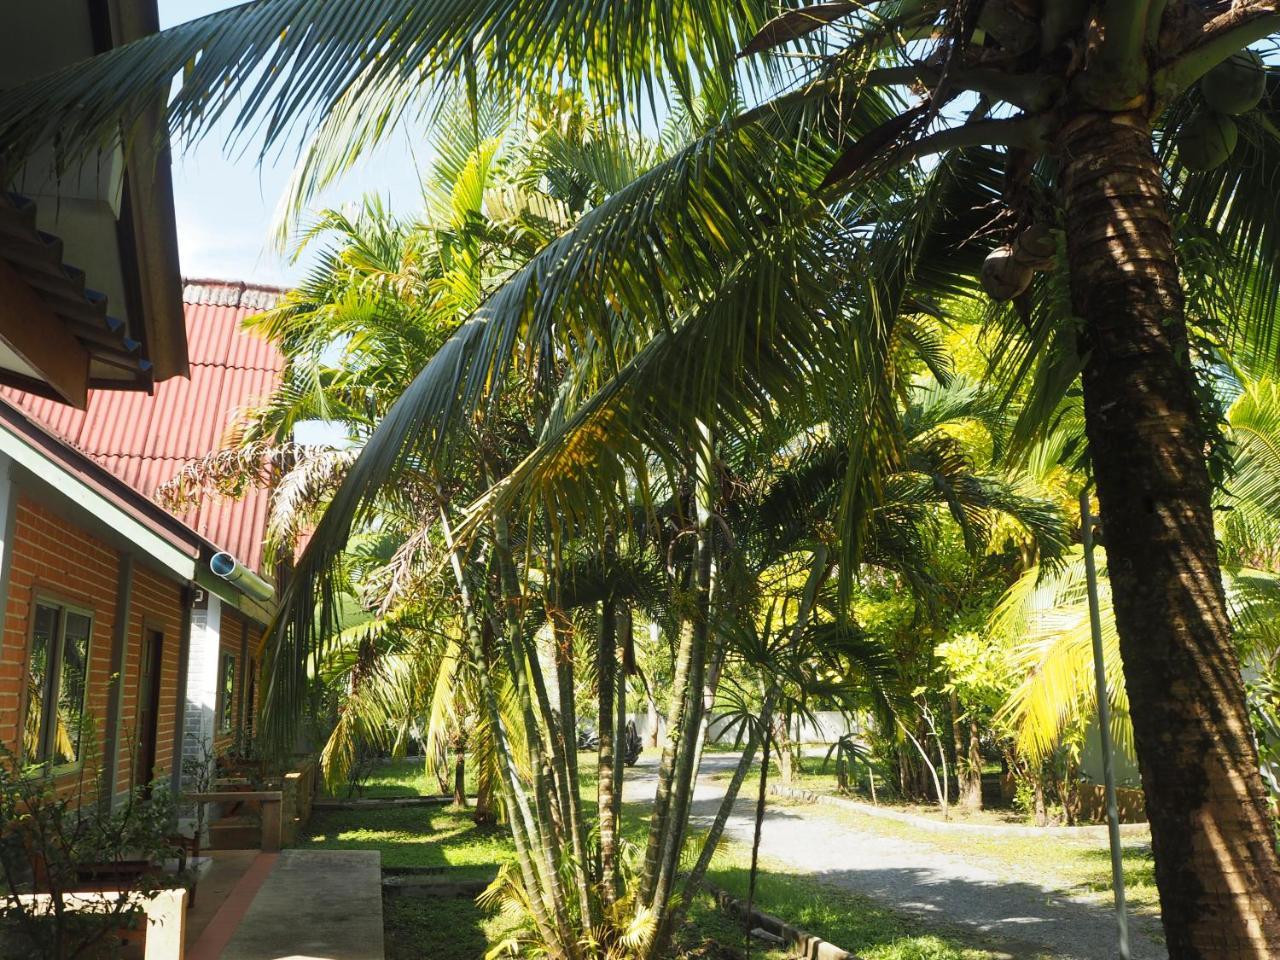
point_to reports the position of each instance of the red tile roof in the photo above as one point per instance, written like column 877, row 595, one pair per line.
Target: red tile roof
column 146, row 439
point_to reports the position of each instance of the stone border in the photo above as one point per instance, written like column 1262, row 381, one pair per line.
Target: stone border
column 801, row 943
column 945, row 826
column 381, row 803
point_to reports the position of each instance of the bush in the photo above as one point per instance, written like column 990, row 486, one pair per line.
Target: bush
column 58, row 844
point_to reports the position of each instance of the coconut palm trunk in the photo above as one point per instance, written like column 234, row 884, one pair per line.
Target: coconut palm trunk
column 1216, row 862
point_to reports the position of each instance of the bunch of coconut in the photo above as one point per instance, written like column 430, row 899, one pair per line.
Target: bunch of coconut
column 1229, row 89
column 1010, row 267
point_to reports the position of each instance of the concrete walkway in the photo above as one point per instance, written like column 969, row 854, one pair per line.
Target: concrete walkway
column 1023, row 919
column 314, row 905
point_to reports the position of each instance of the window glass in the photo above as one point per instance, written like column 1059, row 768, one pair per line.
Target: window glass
column 226, row 704
column 44, row 629
column 57, row 682
column 71, row 690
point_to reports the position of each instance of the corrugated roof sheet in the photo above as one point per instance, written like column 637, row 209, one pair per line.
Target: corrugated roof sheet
column 146, row 439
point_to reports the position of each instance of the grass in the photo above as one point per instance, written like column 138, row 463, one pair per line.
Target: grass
column 418, row 929
column 405, row 777
column 859, row 924
column 457, row 929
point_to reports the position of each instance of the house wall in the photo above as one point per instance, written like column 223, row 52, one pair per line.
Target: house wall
column 202, row 678
column 155, row 604
column 218, row 630
column 49, row 555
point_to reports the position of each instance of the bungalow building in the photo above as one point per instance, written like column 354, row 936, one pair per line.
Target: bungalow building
column 132, row 635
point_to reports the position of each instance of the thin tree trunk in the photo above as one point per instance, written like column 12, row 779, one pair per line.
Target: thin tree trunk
column 688, row 736
column 726, row 802
column 571, row 795
column 606, row 679
column 620, row 718
column 783, row 739
column 973, row 769
column 755, row 843
column 957, row 742
column 483, row 815
column 667, row 762
column 523, row 834
column 526, row 672
column 1216, row 863
column 651, row 713
column 460, row 776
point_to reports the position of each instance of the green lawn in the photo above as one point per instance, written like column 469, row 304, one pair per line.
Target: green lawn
column 396, row 778
column 456, row 929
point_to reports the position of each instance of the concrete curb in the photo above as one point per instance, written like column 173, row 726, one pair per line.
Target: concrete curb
column 941, row 826
column 381, row 803
column 802, row 944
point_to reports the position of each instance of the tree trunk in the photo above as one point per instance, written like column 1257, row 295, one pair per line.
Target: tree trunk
column 484, row 815
column 971, row 789
column 1216, row 864
column 460, row 775
column 782, row 738
column 956, row 746
column 651, row 715
column 606, row 680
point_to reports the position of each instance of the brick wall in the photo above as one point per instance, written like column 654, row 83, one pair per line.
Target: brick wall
column 156, row 604
column 50, row 556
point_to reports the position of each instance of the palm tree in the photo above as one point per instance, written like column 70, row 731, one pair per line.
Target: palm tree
column 1042, row 620
column 1071, row 96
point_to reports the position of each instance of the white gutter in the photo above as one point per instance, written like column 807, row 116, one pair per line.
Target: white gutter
column 241, row 577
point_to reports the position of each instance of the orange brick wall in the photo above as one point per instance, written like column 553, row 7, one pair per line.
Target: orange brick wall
column 50, row 555
column 156, row 604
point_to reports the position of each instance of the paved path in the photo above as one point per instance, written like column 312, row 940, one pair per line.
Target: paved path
column 1023, row 919
column 314, row 905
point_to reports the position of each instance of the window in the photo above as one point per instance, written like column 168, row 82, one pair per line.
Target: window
column 250, row 695
column 57, row 683
column 226, row 693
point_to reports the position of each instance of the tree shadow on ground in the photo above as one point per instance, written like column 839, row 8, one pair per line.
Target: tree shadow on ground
column 439, row 928
column 869, row 895
column 414, row 837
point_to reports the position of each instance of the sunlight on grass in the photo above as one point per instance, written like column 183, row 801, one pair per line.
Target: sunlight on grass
column 456, row 929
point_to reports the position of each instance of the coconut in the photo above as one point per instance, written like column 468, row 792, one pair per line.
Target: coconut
column 1206, row 140
column 1003, row 277
column 1236, row 84
column 1036, row 247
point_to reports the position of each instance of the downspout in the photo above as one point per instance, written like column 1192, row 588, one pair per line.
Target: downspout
column 115, row 684
column 180, row 710
column 241, row 577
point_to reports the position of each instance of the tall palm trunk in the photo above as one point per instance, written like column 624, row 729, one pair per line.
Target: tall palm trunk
column 606, row 670
column 1216, row 863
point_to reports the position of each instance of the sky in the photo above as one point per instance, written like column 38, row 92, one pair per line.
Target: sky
column 226, row 201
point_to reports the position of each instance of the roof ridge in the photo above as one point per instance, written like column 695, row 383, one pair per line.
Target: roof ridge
column 231, row 293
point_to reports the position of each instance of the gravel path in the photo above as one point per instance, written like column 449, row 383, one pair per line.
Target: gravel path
column 1021, row 918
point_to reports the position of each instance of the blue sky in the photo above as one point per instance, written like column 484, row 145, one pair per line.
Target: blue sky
column 226, row 202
